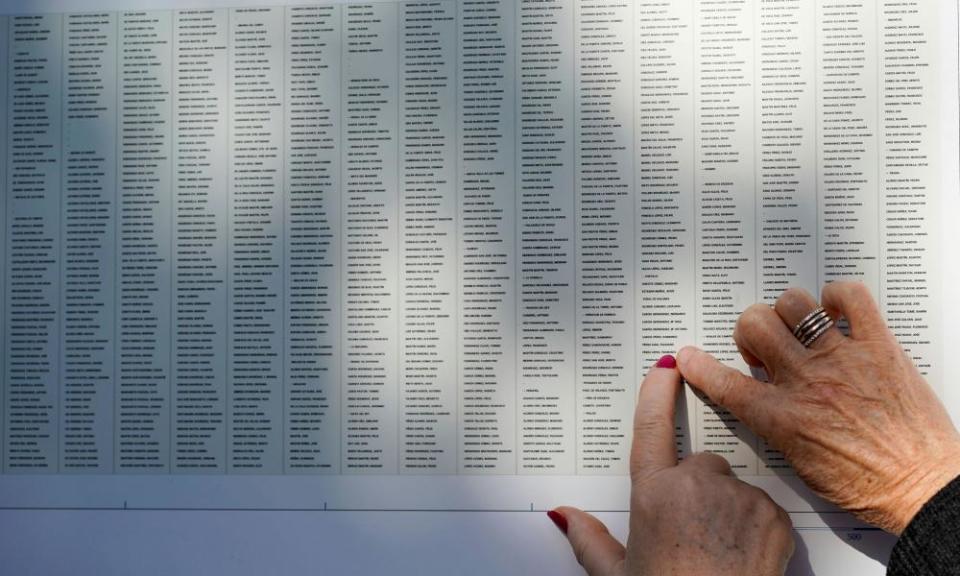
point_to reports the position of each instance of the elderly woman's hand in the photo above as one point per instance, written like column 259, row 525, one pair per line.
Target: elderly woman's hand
column 852, row 414
column 691, row 518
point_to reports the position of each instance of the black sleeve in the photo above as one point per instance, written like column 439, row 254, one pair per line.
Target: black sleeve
column 930, row 546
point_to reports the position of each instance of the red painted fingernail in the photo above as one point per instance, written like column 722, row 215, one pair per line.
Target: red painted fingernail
column 666, row 361
column 559, row 520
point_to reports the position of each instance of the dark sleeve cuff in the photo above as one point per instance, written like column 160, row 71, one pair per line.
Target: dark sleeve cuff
column 931, row 543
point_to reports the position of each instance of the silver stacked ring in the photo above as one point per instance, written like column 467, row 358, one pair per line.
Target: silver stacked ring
column 812, row 326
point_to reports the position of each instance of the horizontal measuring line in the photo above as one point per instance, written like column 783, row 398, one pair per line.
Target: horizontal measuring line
column 332, row 509
column 249, row 509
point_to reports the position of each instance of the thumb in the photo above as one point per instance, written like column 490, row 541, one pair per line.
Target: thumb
column 596, row 549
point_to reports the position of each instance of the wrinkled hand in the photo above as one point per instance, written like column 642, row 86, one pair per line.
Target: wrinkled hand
column 691, row 518
column 852, row 414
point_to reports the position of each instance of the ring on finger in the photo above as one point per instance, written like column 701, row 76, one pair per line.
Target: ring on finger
column 813, row 326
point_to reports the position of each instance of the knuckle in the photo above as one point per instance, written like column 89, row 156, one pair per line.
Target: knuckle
column 726, row 385
column 721, row 463
column 792, row 296
column 582, row 546
column 650, row 424
column 712, row 460
column 858, row 290
column 850, row 293
column 580, row 551
column 782, row 526
column 832, row 289
column 765, row 508
column 783, row 520
column 688, row 483
column 645, row 504
column 770, row 510
column 751, row 317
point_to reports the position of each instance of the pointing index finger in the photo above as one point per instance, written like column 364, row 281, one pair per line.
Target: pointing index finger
column 654, row 447
column 751, row 401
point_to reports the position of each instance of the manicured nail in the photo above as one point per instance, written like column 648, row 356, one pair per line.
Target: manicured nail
column 559, row 520
column 666, row 361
